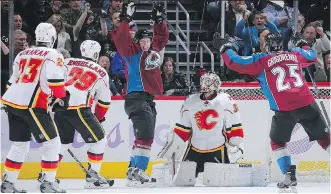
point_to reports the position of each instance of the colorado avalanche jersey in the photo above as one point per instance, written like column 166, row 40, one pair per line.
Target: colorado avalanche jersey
column 37, row 72
column 209, row 123
column 87, row 81
column 280, row 75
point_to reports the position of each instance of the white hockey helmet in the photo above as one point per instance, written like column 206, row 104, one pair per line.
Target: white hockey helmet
column 46, row 32
column 209, row 82
column 90, row 49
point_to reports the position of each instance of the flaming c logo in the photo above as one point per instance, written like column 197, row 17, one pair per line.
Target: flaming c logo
column 202, row 118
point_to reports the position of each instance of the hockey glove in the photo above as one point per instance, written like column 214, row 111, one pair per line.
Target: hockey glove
column 128, row 12
column 300, row 43
column 60, row 104
column 157, row 13
column 226, row 47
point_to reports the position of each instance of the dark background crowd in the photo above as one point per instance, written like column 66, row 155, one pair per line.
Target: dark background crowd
column 79, row 20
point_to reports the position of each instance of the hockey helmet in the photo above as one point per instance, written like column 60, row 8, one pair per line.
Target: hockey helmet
column 46, row 33
column 209, row 82
column 90, row 49
column 144, row 34
column 274, row 41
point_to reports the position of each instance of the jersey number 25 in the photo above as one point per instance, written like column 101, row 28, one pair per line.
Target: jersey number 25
column 282, row 73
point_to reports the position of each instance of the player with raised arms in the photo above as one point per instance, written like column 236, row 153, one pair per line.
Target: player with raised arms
column 280, row 75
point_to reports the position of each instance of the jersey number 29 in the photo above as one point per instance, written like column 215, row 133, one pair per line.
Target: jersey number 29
column 282, row 73
column 81, row 79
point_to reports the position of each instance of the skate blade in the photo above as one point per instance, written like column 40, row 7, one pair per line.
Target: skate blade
column 138, row 184
column 89, row 185
column 292, row 189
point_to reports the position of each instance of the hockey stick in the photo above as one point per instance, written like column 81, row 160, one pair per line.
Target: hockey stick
column 321, row 102
column 173, row 162
column 78, row 162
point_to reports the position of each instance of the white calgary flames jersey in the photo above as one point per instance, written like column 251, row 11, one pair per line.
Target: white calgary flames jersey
column 36, row 72
column 209, row 123
column 87, row 81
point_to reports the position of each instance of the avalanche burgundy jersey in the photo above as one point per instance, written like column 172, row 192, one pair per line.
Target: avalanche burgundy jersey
column 209, row 123
column 37, row 72
column 87, row 81
column 279, row 73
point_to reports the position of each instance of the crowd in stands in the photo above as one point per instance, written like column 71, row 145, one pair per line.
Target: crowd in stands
column 79, row 20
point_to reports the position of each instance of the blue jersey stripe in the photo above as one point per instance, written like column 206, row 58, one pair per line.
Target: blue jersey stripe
column 134, row 81
column 267, row 92
column 308, row 54
column 244, row 60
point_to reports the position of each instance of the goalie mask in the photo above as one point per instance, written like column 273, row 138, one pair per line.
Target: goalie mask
column 210, row 82
column 153, row 60
column 90, row 49
column 274, row 42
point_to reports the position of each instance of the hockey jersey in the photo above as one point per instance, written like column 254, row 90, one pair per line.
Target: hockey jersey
column 87, row 81
column 279, row 73
column 209, row 123
column 37, row 72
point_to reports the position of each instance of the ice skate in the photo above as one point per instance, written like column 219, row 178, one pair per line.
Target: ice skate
column 95, row 180
column 289, row 185
column 49, row 187
column 129, row 174
column 40, row 178
column 140, row 179
column 8, row 187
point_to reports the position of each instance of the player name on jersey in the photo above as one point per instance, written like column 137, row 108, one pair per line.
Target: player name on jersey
column 87, row 64
column 42, row 53
column 282, row 57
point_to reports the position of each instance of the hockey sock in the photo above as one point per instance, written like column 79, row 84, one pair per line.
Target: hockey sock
column 325, row 143
column 282, row 156
column 141, row 152
column 15, row 159
column 95, row 154
column 50, row 158
column 64, row 148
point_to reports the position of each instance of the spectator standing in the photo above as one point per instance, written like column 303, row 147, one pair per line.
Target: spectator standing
column 35, row 12
column 174, row 83
column 105, row 63
column 250, row 34
column 115, row 6
column 63, row 38
column 318, row 40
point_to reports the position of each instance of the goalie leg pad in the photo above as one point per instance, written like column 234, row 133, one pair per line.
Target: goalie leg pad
column 184, row 174
column 235, row 175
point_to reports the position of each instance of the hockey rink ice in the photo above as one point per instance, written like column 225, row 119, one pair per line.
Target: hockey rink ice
column 77, row 186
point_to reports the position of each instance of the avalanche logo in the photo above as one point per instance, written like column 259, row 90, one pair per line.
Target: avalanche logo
column 206, row 119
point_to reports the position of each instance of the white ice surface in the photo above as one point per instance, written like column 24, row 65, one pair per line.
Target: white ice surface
column 77, row 186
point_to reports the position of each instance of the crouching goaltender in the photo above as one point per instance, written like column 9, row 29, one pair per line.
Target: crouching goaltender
column 143, row 79
column 211, row 124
